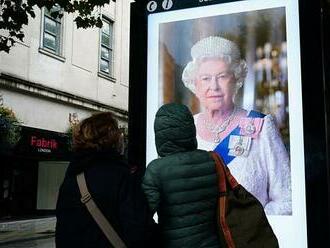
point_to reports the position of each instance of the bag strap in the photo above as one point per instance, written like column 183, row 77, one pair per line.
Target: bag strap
column 222, row 185
column 223, row 176
column 223, row 172
column 96, row 213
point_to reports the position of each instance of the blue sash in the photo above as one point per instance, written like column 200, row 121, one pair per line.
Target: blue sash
column 222, row 147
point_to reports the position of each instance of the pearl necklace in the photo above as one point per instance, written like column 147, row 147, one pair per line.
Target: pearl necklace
column 217, row 129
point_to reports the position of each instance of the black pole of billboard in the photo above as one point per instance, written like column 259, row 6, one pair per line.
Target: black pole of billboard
column 138, row 85
column 314, row 112
column 325, row 12
column 326, row 52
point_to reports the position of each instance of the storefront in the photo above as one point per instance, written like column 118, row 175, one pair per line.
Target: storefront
column 31, row 173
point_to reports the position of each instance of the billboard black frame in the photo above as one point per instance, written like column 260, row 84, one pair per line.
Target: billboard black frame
column 314, row 17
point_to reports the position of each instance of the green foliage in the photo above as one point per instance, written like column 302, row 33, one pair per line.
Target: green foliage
column 10, row 129
column 69, row 133
column 15, row 13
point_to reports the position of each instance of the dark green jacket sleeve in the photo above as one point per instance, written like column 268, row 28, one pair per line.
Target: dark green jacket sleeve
column 151, row 188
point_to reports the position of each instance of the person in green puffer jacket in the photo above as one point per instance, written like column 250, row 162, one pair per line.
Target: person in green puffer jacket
column 181, row 185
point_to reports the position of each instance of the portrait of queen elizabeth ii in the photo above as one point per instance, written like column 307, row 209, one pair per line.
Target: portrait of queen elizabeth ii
column 248, row 141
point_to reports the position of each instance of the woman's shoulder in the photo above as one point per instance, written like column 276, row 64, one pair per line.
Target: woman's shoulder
column 254, row 122
column 99, row 162
column 255, row 114
column 264, row 123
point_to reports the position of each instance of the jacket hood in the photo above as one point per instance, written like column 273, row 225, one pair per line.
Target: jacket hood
column 174, row 130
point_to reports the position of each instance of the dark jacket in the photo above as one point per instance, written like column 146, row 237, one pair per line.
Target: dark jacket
column 181, row 185
column 116, row 192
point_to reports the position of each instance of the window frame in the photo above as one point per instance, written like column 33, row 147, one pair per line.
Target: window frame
column 109, row 47
column 59, row 35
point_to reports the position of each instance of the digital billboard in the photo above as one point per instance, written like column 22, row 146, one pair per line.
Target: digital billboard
column 236, row 65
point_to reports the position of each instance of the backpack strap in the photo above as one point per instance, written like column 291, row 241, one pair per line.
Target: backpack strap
column 96, row 213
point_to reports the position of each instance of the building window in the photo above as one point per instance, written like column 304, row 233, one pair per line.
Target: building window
column 52, row 32
column 106, row 48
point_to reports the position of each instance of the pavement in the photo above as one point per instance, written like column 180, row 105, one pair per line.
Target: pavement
column 28, row 233
column 37, row 243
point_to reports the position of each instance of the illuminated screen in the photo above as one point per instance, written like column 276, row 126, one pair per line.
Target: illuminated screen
column 262, row 141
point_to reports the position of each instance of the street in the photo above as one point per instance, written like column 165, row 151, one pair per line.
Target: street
column 37, row 243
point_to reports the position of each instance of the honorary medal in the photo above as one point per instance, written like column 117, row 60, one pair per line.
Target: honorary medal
column 239, row 145
column 250, row 128
column 238, row 150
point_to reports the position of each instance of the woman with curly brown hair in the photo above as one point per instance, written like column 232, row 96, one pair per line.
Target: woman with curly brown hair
column 97, row 145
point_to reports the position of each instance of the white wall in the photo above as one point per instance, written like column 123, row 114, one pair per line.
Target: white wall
column 77, row 74
column 40, row 113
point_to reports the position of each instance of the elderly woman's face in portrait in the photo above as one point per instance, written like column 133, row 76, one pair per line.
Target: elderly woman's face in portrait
column 215, row 84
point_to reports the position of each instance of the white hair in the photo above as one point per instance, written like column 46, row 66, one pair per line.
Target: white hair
column 210, row 48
